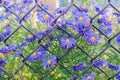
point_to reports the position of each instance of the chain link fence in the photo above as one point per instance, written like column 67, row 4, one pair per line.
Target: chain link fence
column 54, row 23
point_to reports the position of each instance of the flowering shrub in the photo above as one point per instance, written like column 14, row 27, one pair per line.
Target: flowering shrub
column 61, row 44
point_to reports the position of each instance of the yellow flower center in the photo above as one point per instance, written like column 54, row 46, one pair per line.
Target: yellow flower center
column 44, row 43
column 59, row 25
column 19, row 5
column 89, row 77
column 34, row 54
column 46, row 16
column 4, row 30
column 30, row 36
column 67, row 40
column 4, row 14
column 93, row 38
column 108, row 19
column 87, row 23
column 49, row 61
column 43, row 30
column 74, row 23
column 6, row 46
column 22, row 15
column 80, row 19
column 105, row 28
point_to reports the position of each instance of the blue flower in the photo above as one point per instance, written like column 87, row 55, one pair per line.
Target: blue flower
column 2, row 61
column 118, row 20
column 21, row 15
column 92, row 38
column 24, row 43
column 47, row 63
column 6, row 31
column 27, row 1
column 114, row 67
column 89, row 77
column 79, row 66
column 118, row 38
column 44, row 17
column 118, row 76
column 73, row 24
column 30, row 38
column 106, row 20
column 116, row 14
column 43, row 31
column 67, row 42
column 18, row 7
column 17, row 53
column 99, row 62
column 6, row 49
column 59, row 11
column 5, row 15
column 98, row 10
column 82, row 18
column 84, row 9
column 46, row 44
column 38, row 55
column 105, row 29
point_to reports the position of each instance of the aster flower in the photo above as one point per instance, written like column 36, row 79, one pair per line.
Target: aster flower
column 59, row 11
column 6, row 49
column 43, row 31
column 18, row 7
column 89, row 77
column 84, row 9
column 44, row 17
column 82, row 18
column 73, row 24
column 112, row 66
column 30, row 38
column 99, row 62
column 17, row 53
column 21, row 15
column 105, row 29
column 5, row 15
column 27, row 1
column 24, row 43
column 47, row 63
column 118, row 20
column 116, row 14
column 38, row 55
column 78, row 66
column 106, row 20
column 67, row 42
column 92, row 38
column 118, row 76
column 97, row 8
column 118, row 39
column 6, row 30
column 46, row 44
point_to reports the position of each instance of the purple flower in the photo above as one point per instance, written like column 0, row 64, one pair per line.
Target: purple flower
column 99, row 62
column 27, row 1
column 38, row 55
column 43, row 31
column 105, row 29
column 30, row 38
column 118, row 76
column 47, row 63
column 78, row 66
column 118, row 20
column 17, row 53
column 2, row 61
column 67, row 42
column 5, row 15
column 112, row 66
column 73, row 23
column 89, row 77
column 6, row 31
column 116, row 14
column 44, row 17
column 82, row 18
column 118, row 38
column 24, row 43
column 6, row 49
column 92, row 38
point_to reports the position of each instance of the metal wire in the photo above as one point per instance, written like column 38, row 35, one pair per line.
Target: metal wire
column 69, row 50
